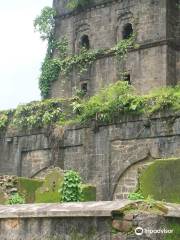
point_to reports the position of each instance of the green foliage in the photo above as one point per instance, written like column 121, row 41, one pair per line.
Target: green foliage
column 163, row 99
column 49, row 73
column 110, row 104
column 136, row 196
column 3, row 120
column 64, row 64
column 116, row 99
column 45, row 22
column 74, row 4
column 51, row 68
column 38, row 114
column 122, row 47
column 16, row 199
column 71, row 189
column 120, row 98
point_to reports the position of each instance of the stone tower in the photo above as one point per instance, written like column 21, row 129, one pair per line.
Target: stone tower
column 155, row 63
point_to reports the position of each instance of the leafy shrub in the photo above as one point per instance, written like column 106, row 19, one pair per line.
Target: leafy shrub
column 16, row 199
column 38, row 114
column 3, row 120
column 120, row 98
column 45, row 23
column 107, row 106
column 71, row 189
column 135, row 196
column 110, row 102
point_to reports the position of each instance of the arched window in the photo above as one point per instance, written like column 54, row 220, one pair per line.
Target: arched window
column 84, row 87
column 84, row 42
column 127, row 31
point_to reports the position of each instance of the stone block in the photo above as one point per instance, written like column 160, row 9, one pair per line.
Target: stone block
column 161, row 180
column 49, row 192
column 122, row 225
column 27, row 187
column 88, row 193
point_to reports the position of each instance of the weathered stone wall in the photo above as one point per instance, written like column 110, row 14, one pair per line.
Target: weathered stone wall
column 87, row 221
column 154, row 64
column 102, row 154
column 24, row 154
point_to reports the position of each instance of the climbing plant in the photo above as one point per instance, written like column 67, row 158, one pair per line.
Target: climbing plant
column 64, row 63
column 71, row 189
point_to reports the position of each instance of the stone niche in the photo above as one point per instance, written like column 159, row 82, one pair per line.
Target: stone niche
column 32, row 162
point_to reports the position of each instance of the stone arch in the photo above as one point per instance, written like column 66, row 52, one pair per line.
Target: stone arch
column 125, row 20
column 82, row 36
column 127, row 182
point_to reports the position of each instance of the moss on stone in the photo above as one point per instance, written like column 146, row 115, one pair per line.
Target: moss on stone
column 27, row 188
column 49, row 192
column 161, row 180
column 88, row 193
column 173, row 224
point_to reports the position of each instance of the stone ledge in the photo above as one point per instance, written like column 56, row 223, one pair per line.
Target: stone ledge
column 87, row 209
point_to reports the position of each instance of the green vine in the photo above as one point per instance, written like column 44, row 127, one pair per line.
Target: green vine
column 106, row 106
column 71, row 189
column 64, row 63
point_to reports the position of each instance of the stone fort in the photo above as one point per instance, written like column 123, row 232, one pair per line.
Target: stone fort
column 108, row 156
column 102, row 24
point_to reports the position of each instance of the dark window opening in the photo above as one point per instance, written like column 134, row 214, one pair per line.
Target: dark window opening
column 127, row 31
column 84, row 87
column 127, row 78
column 84, row 42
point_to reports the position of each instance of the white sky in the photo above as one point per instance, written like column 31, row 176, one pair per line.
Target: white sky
column 21, row 51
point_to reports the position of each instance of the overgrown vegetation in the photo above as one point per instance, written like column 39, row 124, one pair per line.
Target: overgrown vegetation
column 135, row 196
column 64, row 63
column 38, row 114
column 120, row 98
column 71, row 189
column 106, row 107
column 16, row 199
